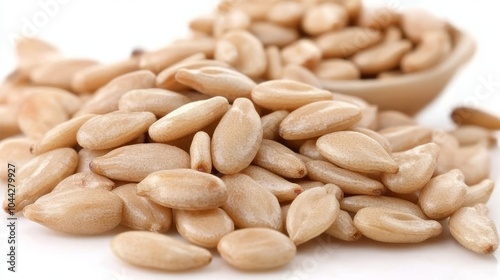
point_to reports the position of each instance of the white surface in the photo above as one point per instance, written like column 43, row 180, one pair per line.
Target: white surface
column 109, row 30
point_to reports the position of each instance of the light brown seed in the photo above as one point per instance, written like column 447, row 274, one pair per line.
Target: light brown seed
column 479, row 193
column 449, row 146
column 335, row 190
column 188, row 119
column 311, row 214
column 309, row 150
column 381, row 58
column 287, row 95
column 279, row 159
column 231, row 19
column 15, row 151
column 106, row 99
column 337, row 69
column 201, row 156
column 474, row 230
column 473, row 116
column 349, row 181
column 154, row 250
column 389, row 118
column 378, row 18
column 163, row 58
column 166, row 78
column 355, row 203
column 403, row 138
column 59, row 73
column 256, row 249
column 217, row 81
column 279, row 187
column 85, row 156
column 319, row 118
column 40, row 175
column 203, row 228
column 113, row 129
column 307, row 184
column 390, row 226
column 348, row 41
column 303, row 52
column 343, row 228
column 471, row 135
column 203, row 23
column 433, row 48
column 83, row 180
column 249, row 204
column 443, row 195
column 184, row 189
column 243, row 51
column 355, row 151
column 133, row 163
column 323, row 18
column 271, row 123
column 90, row 79
column 286, row 13
column 416, row 22
column 237, row 138
column 300, row 74
column 271, row 34
column 474, row 162
column 140, row 213
column 61, row 136
column 274, row 69
column 375, row 136
column 157, row 101
column 416, row 167
column 79, row 211
column 368, row 118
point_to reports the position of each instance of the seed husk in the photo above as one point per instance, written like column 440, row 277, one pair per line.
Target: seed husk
column 205, row 227
column 140, row 213
column 390, row 226
column 256, row 249
column 184, row 189
column 279, row 159
column 113, row 129
column 474, row 230
column 188, row 119
column 154, row 250
column 249, row 204
column 40, row 175
column 356, row 152
column 79, row 211
column 319, row 118
column 237, row 138
column 349, row 181
column 311, row 214
column 133, row 163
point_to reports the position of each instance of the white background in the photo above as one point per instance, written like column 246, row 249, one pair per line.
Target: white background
column 109, row 30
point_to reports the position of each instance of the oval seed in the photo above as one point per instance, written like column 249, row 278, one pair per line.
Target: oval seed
column 324, row 17
column 309, row 150
column 471, row 135
column 403, row 138
column 133, row 163
column 15, row 151
column 356, row 152
column 271, row 124
column 381, row 58
column 201, row 157
column 311, row 214
column 473, row 116
column 337, row 69
column 443, row 195
column 204, row 228
column 319, row 118
column 79, row 211
column 279, row 159
column 154, row 250
column 40, row 175
column 348, row 41
column 141, row 213
column 474, row 162
column 343, row 228
column 184, row 189
column 113, row 129
column 303, row 52
column 237, row 138
column 271, row 34
column 375, row 136
column 256, row 249
column 300, row 74
column 355, row 203
column 82, row 180
column 188, row 119
column 433, row 48
column 249, row 204
column 386, row 225
column 479, row 193
column 157, row 101
column 279, row 187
